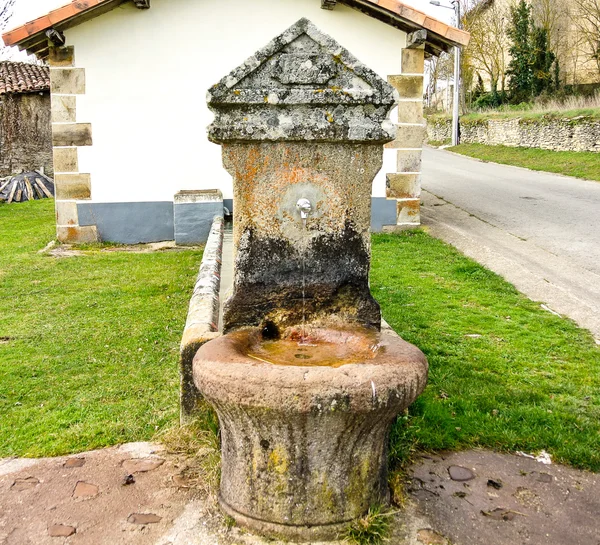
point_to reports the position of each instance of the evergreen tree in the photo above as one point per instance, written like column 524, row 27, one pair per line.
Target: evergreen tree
column 556, row 75
column 520, row 68
column 479, row 88
column 543, row 59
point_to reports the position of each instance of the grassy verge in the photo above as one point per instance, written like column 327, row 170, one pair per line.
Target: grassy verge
column 531, row 114
column 504, row 374
column 92, row 355
column 581, row 164
column 89, row 344
column 438, row 143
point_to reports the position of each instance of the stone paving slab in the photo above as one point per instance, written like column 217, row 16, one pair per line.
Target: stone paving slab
column 508, row 500
column 494, row 499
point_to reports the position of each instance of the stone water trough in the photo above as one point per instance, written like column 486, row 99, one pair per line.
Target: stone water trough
column 305, row 380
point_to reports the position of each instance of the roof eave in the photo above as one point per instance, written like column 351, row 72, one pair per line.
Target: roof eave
column 385, row 11
column 37, row 42
column 440, row 36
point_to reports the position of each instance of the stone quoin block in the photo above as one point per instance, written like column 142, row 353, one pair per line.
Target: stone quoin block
column 409, row 161
column 413, row 61
column 73, row 186
column 77, row 234
column 72, row 134
column 65, row 160
column 66, row 213
column 67, row 81
column 63, row 109
column 403, row 186
column 408, row 137
column 62, row 56
column 407, row 86
column 409, row 211
column 410, row 111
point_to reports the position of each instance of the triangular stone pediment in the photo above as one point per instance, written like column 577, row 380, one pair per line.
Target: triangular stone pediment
column 302, row 66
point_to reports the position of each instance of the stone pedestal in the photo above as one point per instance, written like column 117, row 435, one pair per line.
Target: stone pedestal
column 286, row 270
column 305, row 385
column 304, row 449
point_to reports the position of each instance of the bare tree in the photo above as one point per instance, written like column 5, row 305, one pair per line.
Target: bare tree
column 487, row 50
column 587, row 20
column 6, row 12
column 439, row 70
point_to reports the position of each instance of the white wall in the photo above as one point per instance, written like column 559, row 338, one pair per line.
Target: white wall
column 147, row 72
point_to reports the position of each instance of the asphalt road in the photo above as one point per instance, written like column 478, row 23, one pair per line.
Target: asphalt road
column 540, row 231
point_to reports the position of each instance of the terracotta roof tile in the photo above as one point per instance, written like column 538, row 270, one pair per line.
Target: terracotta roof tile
column 21, row 77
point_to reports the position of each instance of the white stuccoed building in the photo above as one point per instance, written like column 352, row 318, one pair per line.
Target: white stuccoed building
column 129, row 81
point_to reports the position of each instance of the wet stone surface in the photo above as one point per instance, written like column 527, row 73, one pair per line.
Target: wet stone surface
column 74, row 462
column 24, row 483
column 142, row 465
column 85, row 490
column 460, row 474
column 60, row 530
column 143, row 518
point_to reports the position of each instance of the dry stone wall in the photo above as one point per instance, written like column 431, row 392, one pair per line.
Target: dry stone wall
column 566, row 134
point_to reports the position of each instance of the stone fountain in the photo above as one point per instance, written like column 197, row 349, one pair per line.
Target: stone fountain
column 305, row 381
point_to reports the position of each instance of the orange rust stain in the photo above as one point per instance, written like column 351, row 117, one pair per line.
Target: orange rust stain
column 72, row 235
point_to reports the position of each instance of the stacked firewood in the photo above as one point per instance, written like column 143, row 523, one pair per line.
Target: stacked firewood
column 27, row 186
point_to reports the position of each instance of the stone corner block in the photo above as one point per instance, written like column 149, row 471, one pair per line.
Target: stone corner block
column 63, row 109
column 77, row 235
column 62, row 56
column 67, row 81
column 407, row 86
column 409, row 161
column 408, row 136
column 72, row 134
column 411, row 112
column 409, row 211
column 403, row 186
column 73, row 186
column 65, row 160
column 413, row 61
column 400, row 228
column 66, row 213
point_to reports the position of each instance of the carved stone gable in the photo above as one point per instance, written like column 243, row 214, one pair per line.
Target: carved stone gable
column 308, row 87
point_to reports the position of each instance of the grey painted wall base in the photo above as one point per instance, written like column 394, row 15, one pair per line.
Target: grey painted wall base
column 193, row 220
column 136, row 222
column 129, row 222
column 383, row 212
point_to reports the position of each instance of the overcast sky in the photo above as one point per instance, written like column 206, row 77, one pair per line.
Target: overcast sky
column 26, row 10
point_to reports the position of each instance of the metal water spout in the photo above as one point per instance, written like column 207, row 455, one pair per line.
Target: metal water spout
column 304, row 207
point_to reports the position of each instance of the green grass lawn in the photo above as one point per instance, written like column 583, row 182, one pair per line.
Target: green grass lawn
column 528, row 381
column 93, row 355
column 581, row 164
column 89, row 345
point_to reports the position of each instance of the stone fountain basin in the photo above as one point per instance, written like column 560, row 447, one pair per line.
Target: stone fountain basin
column 304, row 445
column 353, row 369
